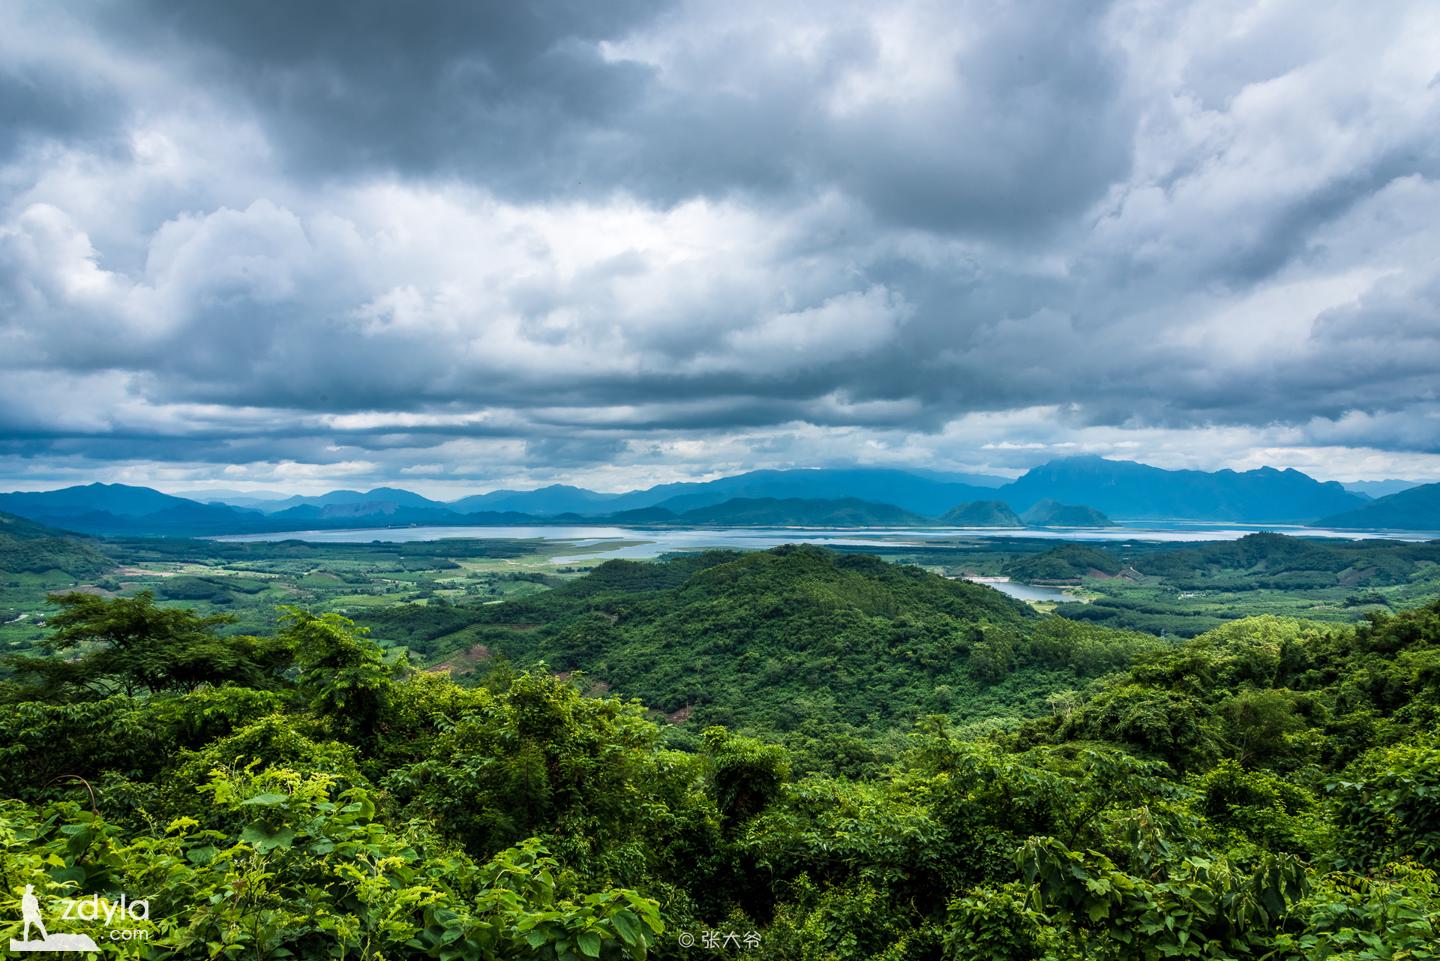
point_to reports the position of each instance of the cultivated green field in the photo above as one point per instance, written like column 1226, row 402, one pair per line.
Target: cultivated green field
column 250, row 581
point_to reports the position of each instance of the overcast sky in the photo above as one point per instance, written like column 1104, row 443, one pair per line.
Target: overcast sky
column 464, row 245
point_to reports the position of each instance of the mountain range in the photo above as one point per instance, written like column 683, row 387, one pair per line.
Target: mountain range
column 1091, row 489
column 1129, row 491
column 1380, row 488
column 1120, row 489
column 122, row 509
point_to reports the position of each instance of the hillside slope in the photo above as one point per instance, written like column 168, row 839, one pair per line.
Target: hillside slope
column 30, row 548
column 791, row 640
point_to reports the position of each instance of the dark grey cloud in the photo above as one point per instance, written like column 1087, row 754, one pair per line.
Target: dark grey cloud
column 573, row 451
column 1024, row 125
column 518, row 240
column 37, row 105
column 502, row 91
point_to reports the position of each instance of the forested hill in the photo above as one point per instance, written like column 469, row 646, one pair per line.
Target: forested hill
column 1254, row 561
column 798, row 640
column 982, row 514
column 30, row 548
column 1049, row 513
column 20, row 529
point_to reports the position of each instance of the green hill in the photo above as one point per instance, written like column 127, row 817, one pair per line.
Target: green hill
column 982, row 514
column 1188, row 589
column 1275, row 560
column 30, row 548
column 20, row 528
column 1049, row 513
column 1253, row 562
column 1064, row 563
column 792, row 640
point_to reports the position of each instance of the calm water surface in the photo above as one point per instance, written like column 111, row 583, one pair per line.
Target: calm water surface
column 635, row 542
column 1028, row 592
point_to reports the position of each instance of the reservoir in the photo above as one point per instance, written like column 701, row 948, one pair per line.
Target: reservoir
column 1024, row 592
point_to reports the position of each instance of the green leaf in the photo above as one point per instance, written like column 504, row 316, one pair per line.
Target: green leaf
column 264, row 840
column 626, row 926
column 589, row 943
column 75, row 874
column 201, row 855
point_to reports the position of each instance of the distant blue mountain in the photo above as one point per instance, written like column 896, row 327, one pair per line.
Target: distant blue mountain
column 365, row 513
column 121, row 509
column 1119, row 489
column 954, row 477
column 1126, row 490
column 911, row 492
column 1380, row 488
column 555, row 499
column 234, row 498
column 918, row 492
column 379, row 496
column 119, row 499
column 801, row 512
column 1413, row 509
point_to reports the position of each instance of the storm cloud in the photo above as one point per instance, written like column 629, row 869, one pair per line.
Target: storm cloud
column 459, row 245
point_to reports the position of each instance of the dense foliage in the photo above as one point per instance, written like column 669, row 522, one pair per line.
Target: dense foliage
column 1068, row 562
column 823, row 650
column 1268, row 790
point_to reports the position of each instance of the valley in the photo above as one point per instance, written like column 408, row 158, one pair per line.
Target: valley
column 1180, row 580
column 998, row 706
column 645, row 734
